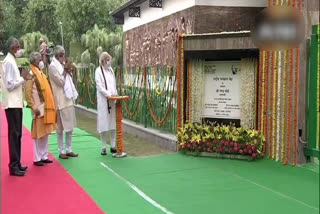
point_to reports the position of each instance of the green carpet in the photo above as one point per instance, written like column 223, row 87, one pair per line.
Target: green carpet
column 188, row 185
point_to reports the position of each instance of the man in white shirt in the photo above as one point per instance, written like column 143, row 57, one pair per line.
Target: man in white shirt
column 64, row 95
column 12, row 83
column 106, row 87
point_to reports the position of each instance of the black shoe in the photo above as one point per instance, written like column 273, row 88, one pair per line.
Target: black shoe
column 17, row 173
column 103, row 152
column 63, row 156
column 38, row 163
column 23, row 168
column 47, row 161
column 72, row 154
column 113, row 150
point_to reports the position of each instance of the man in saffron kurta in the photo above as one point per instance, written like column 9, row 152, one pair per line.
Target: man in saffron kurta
column 40, row 99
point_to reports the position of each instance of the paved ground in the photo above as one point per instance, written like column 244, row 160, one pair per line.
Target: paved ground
column 134, row 146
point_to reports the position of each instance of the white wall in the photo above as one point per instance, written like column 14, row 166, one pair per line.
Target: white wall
column 151, row 14
column 233, row 3
column 172, row 6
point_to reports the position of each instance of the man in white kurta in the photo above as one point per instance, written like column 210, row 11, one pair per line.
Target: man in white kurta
column 64, row 97
column 12, row 86
column 106, row 87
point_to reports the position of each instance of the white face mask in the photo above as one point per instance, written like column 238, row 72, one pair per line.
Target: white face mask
column 109, row 63
column 19, row 53
column 41, row 65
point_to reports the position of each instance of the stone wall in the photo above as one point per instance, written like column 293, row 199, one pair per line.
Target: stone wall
column 220, row 19
column 155, row 43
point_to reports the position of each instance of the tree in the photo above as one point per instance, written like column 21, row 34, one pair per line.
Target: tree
column 19, row 6
column 40, row 15
column 79, row 16
column 31, row 41
column 98, row 40
column 11, row 24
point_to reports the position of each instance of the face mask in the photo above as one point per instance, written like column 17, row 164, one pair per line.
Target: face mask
column 105, row 66
column 41, row 65
column 109, row 63
column 19, row 53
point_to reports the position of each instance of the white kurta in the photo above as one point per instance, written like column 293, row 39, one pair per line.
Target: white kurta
column 105, row 121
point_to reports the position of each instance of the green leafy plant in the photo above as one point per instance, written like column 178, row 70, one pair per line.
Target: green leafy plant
column 31, row 41
column 98, row 40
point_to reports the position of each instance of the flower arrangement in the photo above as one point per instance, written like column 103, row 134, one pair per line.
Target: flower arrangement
column 227, row 141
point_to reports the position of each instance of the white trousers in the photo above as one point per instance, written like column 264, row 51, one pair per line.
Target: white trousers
column 40, row 148
column 68, row 139
column 103, row 136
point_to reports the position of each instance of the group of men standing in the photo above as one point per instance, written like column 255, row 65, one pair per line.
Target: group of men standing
column 52, row 104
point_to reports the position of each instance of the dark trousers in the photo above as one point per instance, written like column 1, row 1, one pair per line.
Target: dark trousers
column 14, row 119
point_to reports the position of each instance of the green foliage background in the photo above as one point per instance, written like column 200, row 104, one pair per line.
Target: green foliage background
column 86, row 23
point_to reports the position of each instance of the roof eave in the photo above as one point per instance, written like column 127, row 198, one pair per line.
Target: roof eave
column 125, row 7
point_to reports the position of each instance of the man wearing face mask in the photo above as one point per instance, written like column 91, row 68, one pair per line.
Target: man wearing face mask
column 66, row 118
column 40, row 99
column 12, row 83
column 106, row 87
column 41, row 65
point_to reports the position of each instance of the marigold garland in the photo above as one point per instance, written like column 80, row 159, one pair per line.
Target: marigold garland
column 131, row 114
column 284, row 105
column 266, row 94
column 197, row 90
column 157, row 90
column 263, row 109
column 278, row 105
column 89, row 92
column 247, row 95
column 289, row 107
column 135, row 78
column 260, row 91
column 178, row 78
column 296, row 82
column 119, row 130
column 275, row 81
column 182, row 81
column 271, row 106
column 295, row 121
column 256, row 76
column 153, row 115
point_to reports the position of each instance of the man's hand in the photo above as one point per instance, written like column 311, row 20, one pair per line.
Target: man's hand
column 37, row 112
column 68, row 70
column 25, row 74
